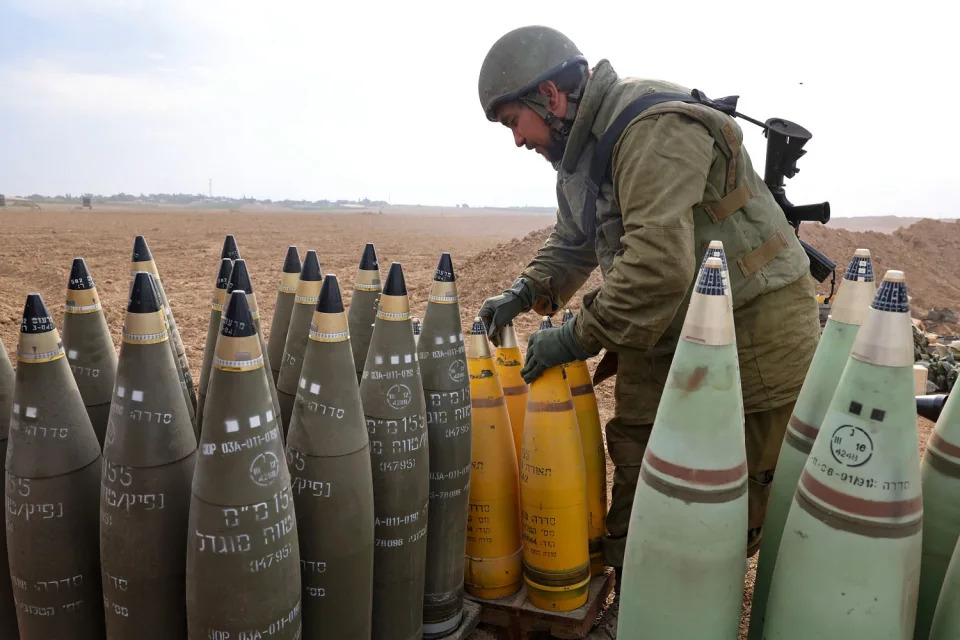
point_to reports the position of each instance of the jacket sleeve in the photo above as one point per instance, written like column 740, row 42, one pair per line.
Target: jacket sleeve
column 562, row 265
column 660, row 169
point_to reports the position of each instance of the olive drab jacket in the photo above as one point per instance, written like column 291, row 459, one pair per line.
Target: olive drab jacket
column 680, row 178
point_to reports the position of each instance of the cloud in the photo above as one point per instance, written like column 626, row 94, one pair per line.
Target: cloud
column 53, row 88
column 302, row 99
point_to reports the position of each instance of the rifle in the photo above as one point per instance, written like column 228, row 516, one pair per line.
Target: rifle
column 785, row 142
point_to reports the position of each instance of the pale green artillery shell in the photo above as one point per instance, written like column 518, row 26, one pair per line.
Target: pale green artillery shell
column 946, row 620
column 143, row 549
column 93, row 361
column 360, row 318
column 687, row 540
column 329, row 458
column 828, row 581
column 392, row 395
column 52, row 529
column 279, row 325
column 940, row 475
column 818, row 388
column 941, row 528
column 446, row 387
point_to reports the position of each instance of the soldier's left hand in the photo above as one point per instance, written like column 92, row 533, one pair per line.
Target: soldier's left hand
column 550, row 348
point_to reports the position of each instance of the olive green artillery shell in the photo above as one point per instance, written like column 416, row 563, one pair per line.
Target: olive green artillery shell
column 242, row 460
column 360, row 319
column 54, row 556
column 294, row 349
column 178, row 344
column 329, row 457
column 280, row 323
column 143, row 261
column 8, row 611
column 274, row 396
column 282, row 310
column 243, row 563
column 243, row 570
column 446, row 388
column 143, row 549
column 392, row 395
column 149, row 458
column 149, row 422
column 93, row 360
column 183, row 373
column 53, row 474
column 50, row 431
column 213, row 332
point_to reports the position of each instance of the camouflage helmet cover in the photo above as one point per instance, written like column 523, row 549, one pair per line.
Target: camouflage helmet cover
column 520, row 60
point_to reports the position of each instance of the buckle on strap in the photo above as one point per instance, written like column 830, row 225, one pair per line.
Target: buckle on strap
column 727, row 104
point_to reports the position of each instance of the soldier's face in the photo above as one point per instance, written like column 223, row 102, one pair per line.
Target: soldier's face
column 529, row 129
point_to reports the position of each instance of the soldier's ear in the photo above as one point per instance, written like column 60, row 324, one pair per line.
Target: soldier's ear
column 557, row 99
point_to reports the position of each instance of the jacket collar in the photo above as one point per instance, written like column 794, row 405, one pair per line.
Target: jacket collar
column 601, row 79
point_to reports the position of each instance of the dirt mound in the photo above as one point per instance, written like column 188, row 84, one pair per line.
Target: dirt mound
column 924, row 251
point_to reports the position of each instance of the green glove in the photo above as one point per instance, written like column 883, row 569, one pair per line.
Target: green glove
column 551, row 347
column 497, row 311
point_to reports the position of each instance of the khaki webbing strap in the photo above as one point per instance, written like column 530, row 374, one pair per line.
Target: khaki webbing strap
column 762, row 255
column 729, row 204
column 731, row 139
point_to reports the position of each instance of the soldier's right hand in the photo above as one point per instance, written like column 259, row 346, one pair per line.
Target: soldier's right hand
column 497, row 311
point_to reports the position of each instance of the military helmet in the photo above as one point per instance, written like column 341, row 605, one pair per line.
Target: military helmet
column 520, row 60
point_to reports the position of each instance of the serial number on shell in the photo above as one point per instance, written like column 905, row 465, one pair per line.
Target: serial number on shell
column 858, row 480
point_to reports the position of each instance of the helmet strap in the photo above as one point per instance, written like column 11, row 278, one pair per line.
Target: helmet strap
column 559, row 127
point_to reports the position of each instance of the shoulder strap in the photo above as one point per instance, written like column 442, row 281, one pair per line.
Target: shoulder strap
column 603, row 152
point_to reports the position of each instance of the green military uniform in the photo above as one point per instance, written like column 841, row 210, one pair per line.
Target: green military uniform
column 680, row 178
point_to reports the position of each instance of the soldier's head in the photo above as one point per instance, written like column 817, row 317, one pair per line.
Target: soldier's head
column 531, row 82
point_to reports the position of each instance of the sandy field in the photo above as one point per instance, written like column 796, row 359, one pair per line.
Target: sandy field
column 488, row 249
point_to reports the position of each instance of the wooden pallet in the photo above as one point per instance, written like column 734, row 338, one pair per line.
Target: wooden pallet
column 471, row 617
column 523, row 619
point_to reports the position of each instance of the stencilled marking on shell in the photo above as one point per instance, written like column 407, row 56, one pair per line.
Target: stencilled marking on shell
column 399, row 396
column 265, row 468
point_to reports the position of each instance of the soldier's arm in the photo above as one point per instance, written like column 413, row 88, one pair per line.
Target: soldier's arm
column 561, row 266
column 660, row 169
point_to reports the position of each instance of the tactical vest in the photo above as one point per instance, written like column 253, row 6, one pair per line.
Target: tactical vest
column 737, row 208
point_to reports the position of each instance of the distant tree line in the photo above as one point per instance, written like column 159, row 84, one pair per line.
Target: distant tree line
column 199, row 199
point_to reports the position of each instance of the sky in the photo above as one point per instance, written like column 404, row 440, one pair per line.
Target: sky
column 331, row 100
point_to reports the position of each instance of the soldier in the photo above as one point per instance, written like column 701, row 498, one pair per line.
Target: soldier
column 678, row 178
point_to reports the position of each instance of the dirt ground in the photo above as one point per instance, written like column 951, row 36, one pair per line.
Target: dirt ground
column 488, row 250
